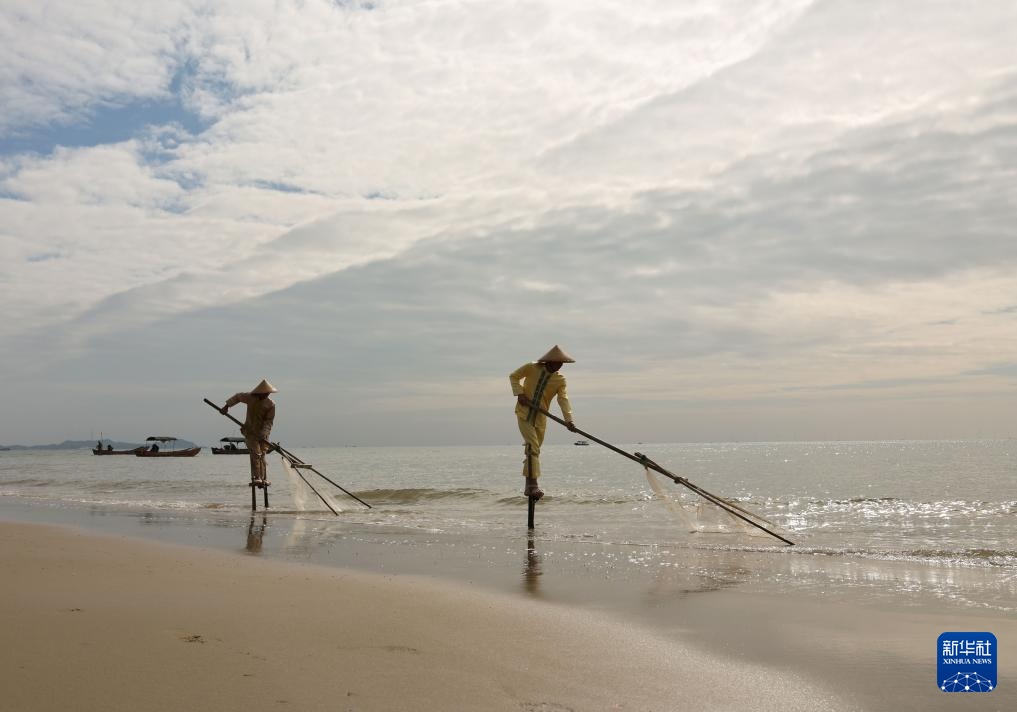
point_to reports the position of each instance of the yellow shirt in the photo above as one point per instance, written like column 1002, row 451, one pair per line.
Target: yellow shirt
column 260, row 415
column 540, row 386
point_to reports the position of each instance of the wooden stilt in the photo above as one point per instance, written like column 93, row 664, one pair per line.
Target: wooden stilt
column 255, row 486
column 532, row 504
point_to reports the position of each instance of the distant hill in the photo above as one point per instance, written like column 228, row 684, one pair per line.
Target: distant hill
column 89, row 444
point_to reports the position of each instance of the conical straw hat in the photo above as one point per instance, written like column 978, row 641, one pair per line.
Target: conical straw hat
column 265, row 387
column 556, row 354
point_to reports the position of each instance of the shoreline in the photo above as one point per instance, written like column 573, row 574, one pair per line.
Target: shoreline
column 849, row 651
column 130, row 625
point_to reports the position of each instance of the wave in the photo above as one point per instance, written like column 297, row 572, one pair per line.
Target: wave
column 516, row 500
column 30, row 482
column 421, row 494
column 895, row 506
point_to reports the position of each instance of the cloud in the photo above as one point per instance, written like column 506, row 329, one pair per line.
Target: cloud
column 58, row 60
column 715, row 205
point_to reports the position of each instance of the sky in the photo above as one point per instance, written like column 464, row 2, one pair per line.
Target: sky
column 747, row 220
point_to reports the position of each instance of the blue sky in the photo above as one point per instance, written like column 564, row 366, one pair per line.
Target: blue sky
column 748, row 220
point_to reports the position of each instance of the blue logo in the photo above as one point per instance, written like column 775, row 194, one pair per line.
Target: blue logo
column 966, row 662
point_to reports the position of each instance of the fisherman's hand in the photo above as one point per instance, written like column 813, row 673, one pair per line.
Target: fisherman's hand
column 224, row 409
column 571, row 426
column 523, row 400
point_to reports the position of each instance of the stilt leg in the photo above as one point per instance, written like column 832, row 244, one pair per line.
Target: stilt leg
column 532, row 503
column 254, row 498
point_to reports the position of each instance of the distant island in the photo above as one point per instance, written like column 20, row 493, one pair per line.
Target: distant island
column 89, row 444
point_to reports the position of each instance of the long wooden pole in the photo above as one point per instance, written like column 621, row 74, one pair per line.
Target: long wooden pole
column 730, row 508
column 296, row 460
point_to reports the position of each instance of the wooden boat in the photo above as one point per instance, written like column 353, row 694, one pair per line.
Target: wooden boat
column 581, row 442
column 154, row 451
column 231, row 448
column 107, row 451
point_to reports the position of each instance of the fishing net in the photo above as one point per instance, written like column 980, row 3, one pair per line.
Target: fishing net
column 700, row 515
column 304, row 498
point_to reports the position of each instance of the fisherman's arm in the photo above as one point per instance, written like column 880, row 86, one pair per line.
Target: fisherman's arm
column 515, row 379
column 266, row 423
column 234, row 399
column 566, row 407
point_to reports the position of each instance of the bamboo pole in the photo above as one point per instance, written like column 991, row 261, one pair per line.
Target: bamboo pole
column 729, row 507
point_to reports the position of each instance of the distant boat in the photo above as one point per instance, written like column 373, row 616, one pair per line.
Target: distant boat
column 230, row 448
column 154, row 451
column 109, row 451
column 581, row 442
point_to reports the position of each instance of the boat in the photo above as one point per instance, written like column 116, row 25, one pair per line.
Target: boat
column 231, row 448
column 581, row 442
column 154, row 451
column 110, row 451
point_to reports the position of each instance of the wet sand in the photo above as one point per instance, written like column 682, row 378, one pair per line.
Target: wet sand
column 130, row 624
column 111, row 623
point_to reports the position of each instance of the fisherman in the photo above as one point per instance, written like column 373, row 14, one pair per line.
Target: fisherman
column 534, row 385
column 257, row 426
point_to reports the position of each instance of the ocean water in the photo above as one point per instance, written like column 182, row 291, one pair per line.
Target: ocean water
column 913, row 522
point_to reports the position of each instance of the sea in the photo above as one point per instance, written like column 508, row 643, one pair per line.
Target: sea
column 915, row 523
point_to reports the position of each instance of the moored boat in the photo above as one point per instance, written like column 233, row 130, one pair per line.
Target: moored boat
column 231, row 447
column 154, row 451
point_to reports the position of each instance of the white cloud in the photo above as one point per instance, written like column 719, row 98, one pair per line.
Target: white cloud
column 59, row 59
column 713, row 202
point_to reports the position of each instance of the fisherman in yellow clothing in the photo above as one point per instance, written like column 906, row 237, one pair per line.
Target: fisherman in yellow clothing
column 257, row 426
column 535, row 384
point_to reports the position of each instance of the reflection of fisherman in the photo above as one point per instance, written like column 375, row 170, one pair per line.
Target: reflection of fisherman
column 536, row 384
column 257, row 425
column 256, row 534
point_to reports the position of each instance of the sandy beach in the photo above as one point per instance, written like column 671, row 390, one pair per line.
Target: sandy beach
column 105, row 623
column 101, row 622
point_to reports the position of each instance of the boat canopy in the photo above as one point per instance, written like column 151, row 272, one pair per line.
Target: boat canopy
column 160, row 438
column 232, row 440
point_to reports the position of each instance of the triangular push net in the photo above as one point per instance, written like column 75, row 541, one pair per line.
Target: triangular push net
column 699, row 515
column 305, row 500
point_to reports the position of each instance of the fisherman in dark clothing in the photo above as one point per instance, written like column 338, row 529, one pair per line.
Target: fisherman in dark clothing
column 257, row 426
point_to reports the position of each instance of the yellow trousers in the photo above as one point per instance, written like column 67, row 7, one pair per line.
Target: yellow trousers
column 533, row 438
column 258, row 449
